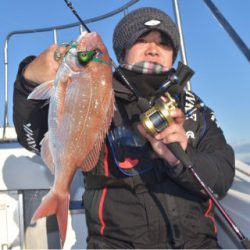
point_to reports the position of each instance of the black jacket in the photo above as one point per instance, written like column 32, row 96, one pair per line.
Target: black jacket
column 212, row 158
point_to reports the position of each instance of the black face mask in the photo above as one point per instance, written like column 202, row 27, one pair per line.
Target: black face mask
column 146, row 84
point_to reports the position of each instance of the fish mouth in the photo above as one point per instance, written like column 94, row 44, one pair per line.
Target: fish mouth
column 87, row 41
column 81, row 36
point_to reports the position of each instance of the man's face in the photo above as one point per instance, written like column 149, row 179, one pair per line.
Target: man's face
column 151, row 48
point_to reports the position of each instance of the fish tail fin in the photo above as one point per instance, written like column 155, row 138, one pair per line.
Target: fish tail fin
column 54, row 204
column 62, row 218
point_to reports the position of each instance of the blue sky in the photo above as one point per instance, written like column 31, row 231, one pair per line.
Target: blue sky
column 222, row 75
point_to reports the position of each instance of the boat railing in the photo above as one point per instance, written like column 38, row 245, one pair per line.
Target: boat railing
column 7, row 132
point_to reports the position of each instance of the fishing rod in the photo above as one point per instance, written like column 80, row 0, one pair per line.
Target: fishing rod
column 180, row 154
column 183, row 157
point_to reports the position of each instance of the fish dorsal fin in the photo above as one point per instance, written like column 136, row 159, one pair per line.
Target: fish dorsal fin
column 42, row 91
column 56, row 204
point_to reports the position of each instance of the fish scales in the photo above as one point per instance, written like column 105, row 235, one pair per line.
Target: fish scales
column 80, row 112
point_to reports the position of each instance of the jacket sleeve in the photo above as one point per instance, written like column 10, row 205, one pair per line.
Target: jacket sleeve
column 212, row 159
column 29, row 116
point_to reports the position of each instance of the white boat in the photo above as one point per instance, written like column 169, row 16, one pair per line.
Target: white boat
column 24, row 180
column 21, row 193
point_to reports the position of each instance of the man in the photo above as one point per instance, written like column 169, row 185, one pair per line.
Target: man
column 140, row 195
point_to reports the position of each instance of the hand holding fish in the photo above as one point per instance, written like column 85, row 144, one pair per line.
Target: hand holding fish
column 44, row 67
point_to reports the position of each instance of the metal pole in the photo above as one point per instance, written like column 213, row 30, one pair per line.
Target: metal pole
column 125, row 11
column 229, row 29
column 55, row 35
column 6, row 122
column 81, row 28
column 182, row 45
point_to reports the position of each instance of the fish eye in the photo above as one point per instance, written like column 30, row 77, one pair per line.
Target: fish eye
column 85, row 56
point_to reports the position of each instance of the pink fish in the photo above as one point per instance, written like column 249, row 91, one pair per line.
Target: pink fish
column 80, row 112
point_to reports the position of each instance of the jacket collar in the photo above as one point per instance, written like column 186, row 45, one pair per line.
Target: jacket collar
column 145, row 85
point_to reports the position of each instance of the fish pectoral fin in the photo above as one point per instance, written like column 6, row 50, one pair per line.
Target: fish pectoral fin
column 42, row 91
column 61, row 95
column 46, row 153
column 54, row 204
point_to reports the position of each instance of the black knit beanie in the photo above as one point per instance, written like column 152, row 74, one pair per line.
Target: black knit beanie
column 140, row 21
